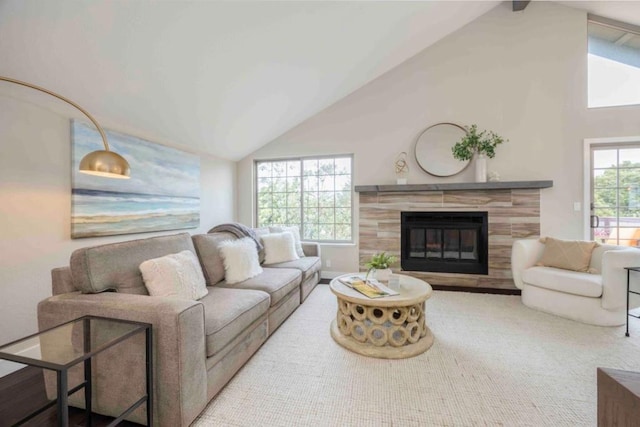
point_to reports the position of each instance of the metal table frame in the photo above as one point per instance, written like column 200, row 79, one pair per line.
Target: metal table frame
column 629, row 291
column 63, row 369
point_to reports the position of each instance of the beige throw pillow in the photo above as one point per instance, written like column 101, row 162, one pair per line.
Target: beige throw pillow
column 566, row 254
column 176, row 275
column 279, row 247
column 240, row 258
column 296, row 237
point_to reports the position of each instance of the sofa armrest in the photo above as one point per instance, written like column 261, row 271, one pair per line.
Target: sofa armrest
column 524, row 254
column 180, row 375
column 311, row 249
column 614, row 276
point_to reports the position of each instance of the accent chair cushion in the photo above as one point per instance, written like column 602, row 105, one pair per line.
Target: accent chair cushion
column 566, row 254
column 279, row 247
column 176, row 275
column 562, row 280
column 240, row 259
column 296, row 237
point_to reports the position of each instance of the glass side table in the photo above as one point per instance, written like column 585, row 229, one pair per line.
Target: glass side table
column 64, row 346
column 629, row 291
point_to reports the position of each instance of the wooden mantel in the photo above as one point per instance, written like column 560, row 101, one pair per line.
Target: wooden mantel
column 453, row 186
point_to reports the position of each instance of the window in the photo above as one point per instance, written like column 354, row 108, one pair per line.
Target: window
column 311, row 193
column 613, row 63
column 615, row 191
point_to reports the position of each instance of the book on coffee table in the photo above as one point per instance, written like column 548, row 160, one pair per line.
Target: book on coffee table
column 370, row 288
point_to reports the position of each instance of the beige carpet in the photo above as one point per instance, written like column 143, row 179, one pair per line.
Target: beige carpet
column 494, row 362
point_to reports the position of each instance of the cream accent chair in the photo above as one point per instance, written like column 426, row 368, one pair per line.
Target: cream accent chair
column 596, row 299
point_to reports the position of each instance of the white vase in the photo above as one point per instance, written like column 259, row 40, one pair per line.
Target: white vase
column 383, row 275
column 481, row 168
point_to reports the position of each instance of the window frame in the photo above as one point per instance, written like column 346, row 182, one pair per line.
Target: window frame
column 301, row 159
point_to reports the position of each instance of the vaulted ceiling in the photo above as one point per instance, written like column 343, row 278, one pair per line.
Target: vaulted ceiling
column 222, row 78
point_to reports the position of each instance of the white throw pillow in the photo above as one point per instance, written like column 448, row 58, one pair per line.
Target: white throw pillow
column 176, row 275
column 296, row 236
column 240, row 258
column 279, row 247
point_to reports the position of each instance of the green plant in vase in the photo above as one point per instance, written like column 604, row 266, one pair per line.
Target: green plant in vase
column 483, row 144
column 380, row 265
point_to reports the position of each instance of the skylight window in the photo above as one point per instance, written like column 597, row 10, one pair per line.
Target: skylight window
column 613, row 63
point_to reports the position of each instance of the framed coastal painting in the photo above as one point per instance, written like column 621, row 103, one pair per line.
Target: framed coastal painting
column 163, row 192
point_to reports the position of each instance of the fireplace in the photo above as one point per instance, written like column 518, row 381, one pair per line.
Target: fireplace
column 447, row 242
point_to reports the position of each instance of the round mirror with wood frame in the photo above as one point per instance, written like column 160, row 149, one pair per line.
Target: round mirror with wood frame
column 433, row 149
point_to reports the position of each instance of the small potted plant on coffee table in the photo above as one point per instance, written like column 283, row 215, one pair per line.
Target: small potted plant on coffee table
column 379, row 266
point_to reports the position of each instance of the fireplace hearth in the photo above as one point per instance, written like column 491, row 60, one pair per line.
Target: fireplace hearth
column 446, row 242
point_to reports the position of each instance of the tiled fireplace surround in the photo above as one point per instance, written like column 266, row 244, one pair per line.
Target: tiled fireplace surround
column 513, row 208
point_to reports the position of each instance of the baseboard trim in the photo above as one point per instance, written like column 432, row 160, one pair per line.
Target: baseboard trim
column 476, row 290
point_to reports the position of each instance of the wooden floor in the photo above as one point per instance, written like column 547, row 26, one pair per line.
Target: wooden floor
column 22, row 392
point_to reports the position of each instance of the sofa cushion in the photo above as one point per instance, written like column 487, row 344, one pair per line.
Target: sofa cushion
column 176, row 275
column 208, row 249
column 279, row 247
column 296, row 236
column 570, row 282
column 308, row 265
column 240, row 260
column 228, row 312
column 567, row 254
column 277, row 282
column 115, row 266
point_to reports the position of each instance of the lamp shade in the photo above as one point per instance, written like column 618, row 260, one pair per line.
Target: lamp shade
column 105, row 163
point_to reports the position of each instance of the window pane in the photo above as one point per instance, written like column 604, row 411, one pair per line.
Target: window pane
column 293, row 168
column 264, row 217
column 326, row 199
column 343, row 199
column 613, row 66
column 343, row 231
column 326, row 183
column 605, row 159
column 326, row 232
column 293, row 184
column 343, row 183
column 310, row 232
column 293, row 200
column 311, row 216
column 310, row 167
column 294, row 217
column 264, row 200
column 310, row 183
column 343, row 216
column 326, row 167
column 264, row 184
column 326, row 215
column 279, row 169
column 343, row 166
column 264, row 170
column 311, row 199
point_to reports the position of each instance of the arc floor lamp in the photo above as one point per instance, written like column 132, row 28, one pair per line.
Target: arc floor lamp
column 105, row 162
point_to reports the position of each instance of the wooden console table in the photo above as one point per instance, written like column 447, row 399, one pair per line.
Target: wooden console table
column 618, row 398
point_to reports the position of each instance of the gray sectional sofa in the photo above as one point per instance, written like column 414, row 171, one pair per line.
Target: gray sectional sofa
column 198, row 345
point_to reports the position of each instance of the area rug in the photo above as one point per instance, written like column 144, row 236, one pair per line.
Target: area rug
column 494, row 362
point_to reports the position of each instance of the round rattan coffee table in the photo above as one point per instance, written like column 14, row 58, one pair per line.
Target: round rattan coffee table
column 391, row 327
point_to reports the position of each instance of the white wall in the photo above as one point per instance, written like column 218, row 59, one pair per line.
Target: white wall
column 522, row 75
column 35, row 204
